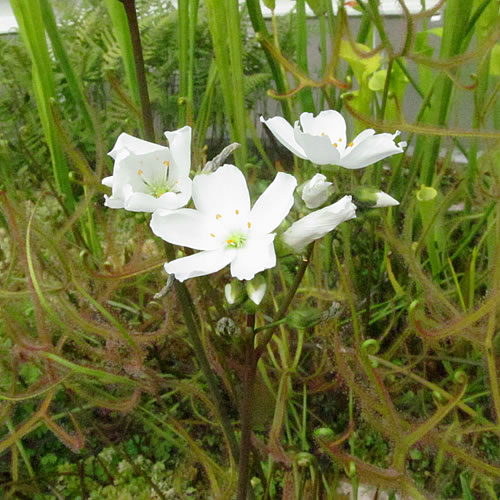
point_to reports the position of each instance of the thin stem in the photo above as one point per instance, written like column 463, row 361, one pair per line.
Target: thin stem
column 246, row 410
column 288, row 299
column 194, row 335
column 135, row 36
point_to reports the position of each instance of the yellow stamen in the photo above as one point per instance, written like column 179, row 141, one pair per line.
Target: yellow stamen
column 229, row 242
column 212, row 235
column 249, row 225
column 335, row 144
column 322, row 134
column 166, row 163
column 236, row 212
column 340, row 139
column 218, row 216
column 351, row 144
column 140, row 172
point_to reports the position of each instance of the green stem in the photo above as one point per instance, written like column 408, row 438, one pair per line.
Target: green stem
column 246, row 410
column 187, row 307
column 288, row 299
column 193, row 332
column 147, row 115
column 260, row 28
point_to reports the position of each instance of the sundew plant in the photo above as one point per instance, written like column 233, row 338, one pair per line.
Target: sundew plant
column 250, row 249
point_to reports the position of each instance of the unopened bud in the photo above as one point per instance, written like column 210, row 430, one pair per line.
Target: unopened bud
column 234, row 292
column 371, row 197
column 304, row 318
column 226, row 327
column 316, row 191
column 256, row 289
column 324, row 434
column 305, row 459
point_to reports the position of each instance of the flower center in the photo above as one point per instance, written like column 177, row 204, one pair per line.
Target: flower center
column 159, row 186
column 236, row 240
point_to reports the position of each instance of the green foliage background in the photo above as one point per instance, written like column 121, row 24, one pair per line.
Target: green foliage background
column 101, row 393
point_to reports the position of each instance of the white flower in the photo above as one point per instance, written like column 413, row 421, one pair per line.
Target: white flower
column 318, row 223
column 385, row 200
column 147, row 176
column 316, row 191
column 224, row 227
column 322, row 140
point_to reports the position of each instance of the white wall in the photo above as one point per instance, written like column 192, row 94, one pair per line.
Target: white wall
column 7, row 20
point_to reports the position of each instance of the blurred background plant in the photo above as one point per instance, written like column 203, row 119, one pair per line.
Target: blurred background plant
column 100, row 395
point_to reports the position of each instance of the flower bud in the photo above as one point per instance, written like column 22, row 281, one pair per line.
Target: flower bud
column 226, row 328
column 324, row 433
column 318, row 223
column 305, row 459
column 316, row 191
column 256, row 289
column 371, row 197
column 384, row 200
column 234, row 292
column 304, row 318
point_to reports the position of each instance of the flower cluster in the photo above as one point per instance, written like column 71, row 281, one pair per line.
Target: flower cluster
column 223, row 225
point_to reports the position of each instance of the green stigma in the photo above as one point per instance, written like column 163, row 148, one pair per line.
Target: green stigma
column 236, row 240
column 157, row 187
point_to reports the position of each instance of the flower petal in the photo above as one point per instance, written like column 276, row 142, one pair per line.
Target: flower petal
column 185, row 227
column 257, row 255
column 141, row 202
column 317, row 224
column 329, row 122
column 369, row 148
column 222, row 192
column 199, row 264
column 134, row 145
column 179, row 142
column 283, row 131
column 318, row 148
column 111, row 202
column 184, row 189
column 273, row 204
column 108, row 181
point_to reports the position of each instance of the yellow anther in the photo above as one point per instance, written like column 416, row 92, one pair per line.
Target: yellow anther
column 140, row 172
column 249, row 225
column 229, row 242
column 322, row 134
column 212, row 235
column 335, row 144
column 340, row 139
column 351, row 144
column 218, row 216
column 166, row 163
column 236, row 212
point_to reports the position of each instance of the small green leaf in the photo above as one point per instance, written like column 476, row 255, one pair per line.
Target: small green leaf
column 317, row 6
column 270, row 4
